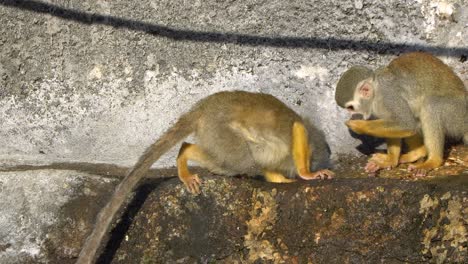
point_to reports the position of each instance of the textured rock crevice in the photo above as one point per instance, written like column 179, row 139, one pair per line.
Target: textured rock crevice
column 346, row 220
column 237, row 219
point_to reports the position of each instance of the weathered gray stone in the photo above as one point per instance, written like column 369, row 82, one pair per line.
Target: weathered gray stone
column 340, row 221
column 45, row 214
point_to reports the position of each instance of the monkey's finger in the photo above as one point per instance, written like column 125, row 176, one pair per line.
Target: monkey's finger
column 192, row 186
column 197, row 179
column 329, row 174
column 324, row 174
column 189, row 188
column 420, row 173
column 193, row 189
column 371, row 167
column 417, row 172
column 319, row 176
column 310, row 176
column 195, row 186
column 423, row 173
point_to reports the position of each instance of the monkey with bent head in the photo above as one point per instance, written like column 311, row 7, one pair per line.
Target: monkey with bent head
column 237, row 133
column 416, row 98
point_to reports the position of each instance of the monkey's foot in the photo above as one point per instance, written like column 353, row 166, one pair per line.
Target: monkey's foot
column 277, row 177
column 192, row 182
column 318, row 175
column 417, row 172
column 421, row 170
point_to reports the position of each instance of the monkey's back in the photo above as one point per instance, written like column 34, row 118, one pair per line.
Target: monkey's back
column 430, row 86
column 257, row 109
column 241, row 129
column 426, row 73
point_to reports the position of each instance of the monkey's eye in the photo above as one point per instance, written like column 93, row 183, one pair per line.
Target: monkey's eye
column 350, row 108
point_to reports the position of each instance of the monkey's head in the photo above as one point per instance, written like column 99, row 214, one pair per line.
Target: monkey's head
column 355, row 90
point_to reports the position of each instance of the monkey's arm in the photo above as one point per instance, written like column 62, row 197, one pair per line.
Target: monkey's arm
column 301, row 155
column 379, row 128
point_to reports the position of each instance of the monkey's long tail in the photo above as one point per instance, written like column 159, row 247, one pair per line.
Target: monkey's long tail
column 184, row 127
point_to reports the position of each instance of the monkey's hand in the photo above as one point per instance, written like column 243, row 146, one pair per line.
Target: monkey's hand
column 358, row 126
column 192, row 182
column 380, row 161
column 318, row 175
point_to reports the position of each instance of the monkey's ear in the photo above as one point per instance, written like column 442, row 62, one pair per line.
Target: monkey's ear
column 366, row 90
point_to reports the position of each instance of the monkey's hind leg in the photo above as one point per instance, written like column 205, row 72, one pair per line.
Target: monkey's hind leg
column 416, row 149
column 433, row 140
column 383, row 161
column 302, row 153
column 191, row 152
column 271, row 176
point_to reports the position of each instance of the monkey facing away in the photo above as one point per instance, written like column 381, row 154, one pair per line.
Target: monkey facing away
column 237, row 133
column 417, row 98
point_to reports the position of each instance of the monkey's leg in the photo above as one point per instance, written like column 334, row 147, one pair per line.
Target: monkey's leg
column 271, row 176
column 382, row 161
column 301, row 155
column 434, row 142
column 191, row 152
column 379, row 128
column 416, row 149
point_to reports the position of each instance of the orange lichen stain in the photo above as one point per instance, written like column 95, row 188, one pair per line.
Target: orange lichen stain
column 318, row 216
column 337, row 219
column 262, row 217
column 311, row 194
column 426, row 204
column 449, row 233
column 398, row 222
column 397, row 193
column 317, row 238
column 361, row 196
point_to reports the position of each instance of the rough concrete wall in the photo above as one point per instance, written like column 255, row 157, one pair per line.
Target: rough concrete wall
column 44, row 214
column 98, row 81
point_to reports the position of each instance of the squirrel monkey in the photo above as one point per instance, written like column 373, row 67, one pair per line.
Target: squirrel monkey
column 417, row 98
column 237, row 133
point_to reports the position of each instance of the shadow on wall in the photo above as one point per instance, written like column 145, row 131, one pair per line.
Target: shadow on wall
column 232, row 38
